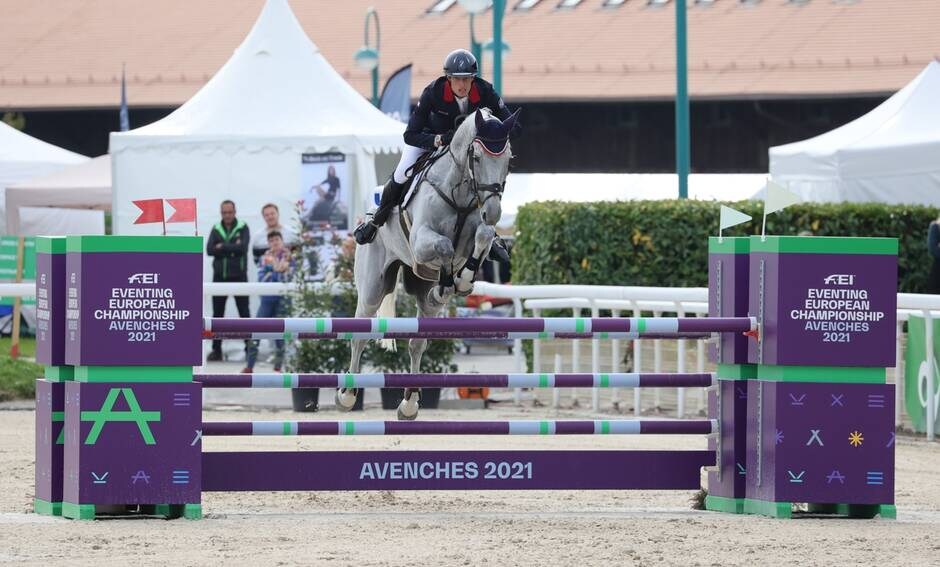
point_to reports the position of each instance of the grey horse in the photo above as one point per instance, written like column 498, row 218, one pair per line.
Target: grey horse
column 446, row 232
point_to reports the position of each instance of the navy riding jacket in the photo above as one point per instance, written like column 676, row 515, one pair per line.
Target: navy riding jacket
column 437, row 110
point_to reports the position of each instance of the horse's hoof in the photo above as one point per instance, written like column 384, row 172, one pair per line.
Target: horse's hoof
column 345, row 399
column 408, row 408
column 403, row 417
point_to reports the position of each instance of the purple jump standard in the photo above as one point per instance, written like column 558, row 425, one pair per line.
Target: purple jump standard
column 596, row 380
column 512, row 427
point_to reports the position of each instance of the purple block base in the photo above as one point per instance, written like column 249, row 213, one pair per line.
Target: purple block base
column 155, row 460
column 454, row 470
column 800, row 443
column 729, row 482
column 50, row 405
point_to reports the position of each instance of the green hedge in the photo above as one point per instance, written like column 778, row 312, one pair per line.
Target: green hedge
column 665, row 243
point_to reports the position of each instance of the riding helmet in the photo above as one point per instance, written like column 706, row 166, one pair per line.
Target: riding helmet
column 460, row 63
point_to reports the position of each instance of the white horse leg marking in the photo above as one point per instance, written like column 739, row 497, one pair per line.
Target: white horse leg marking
column 482, row 241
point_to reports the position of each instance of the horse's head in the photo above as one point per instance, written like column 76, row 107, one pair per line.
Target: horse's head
column 484, row 143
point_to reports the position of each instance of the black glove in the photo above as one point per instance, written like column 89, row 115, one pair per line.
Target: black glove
column 446, row 137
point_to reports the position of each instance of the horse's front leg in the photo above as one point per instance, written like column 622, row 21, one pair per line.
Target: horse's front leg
column 433, row 248
column 482, row 241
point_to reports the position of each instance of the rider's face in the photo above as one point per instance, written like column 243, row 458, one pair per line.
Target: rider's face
column 460, row 85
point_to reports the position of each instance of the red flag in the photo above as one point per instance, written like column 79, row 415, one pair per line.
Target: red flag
column 184, row 210
column 151, row 210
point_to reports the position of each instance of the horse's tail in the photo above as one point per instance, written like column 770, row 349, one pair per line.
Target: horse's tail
column 387, row 310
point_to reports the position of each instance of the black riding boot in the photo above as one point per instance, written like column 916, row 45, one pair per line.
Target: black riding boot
column 391, row 196
column 498, row 251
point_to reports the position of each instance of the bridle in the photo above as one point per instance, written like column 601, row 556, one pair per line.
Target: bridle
column 479, row 195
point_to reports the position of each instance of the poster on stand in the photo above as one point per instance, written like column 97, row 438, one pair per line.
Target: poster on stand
column 325, row 191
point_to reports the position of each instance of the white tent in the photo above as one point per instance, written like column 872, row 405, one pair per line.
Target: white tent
column 890, row 155
column 23, row 157
column 45, row 204
column 242, row 135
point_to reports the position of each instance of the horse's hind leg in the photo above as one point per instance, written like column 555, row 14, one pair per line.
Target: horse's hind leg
column 346, row 397
column 371, row 289
column 408, row 408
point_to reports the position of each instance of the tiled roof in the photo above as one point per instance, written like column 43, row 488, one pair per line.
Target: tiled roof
column 68, row 53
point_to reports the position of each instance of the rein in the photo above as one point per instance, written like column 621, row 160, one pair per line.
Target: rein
column 477, row 199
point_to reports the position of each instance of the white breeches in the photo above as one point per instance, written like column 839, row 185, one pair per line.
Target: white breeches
column 409, row 156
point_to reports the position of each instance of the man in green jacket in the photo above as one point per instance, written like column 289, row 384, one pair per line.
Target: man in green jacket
column 228, row 246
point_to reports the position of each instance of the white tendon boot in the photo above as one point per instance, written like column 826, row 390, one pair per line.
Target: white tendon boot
column 408, row 408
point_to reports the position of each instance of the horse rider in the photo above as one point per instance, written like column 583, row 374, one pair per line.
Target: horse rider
column 443, row 104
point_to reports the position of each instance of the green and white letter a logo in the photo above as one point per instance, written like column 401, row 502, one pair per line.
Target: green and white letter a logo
column 108, row 414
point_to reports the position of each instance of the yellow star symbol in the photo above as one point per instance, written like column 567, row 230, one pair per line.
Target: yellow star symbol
column 855, row 438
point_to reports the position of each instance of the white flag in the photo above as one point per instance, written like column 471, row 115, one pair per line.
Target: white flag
column 731, row 217
column 778, row 197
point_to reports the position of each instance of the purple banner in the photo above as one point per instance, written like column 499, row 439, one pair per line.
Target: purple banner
column 454, row 470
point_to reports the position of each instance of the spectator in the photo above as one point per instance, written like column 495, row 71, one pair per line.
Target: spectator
column 272, row 222
column 275, row 266
column 228, row 245
column 933, row 247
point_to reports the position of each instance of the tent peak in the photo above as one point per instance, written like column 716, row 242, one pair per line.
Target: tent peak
column 277, row 84
column 275, row 29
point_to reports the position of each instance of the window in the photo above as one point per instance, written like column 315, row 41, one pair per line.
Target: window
column 656, row 3
column 613, row 3
column 524, row 5
column 704, row 2
column 441, row 6
column 568, row 3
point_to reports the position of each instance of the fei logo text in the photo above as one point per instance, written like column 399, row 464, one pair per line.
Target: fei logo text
column 144, row 278
column 840, row 279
